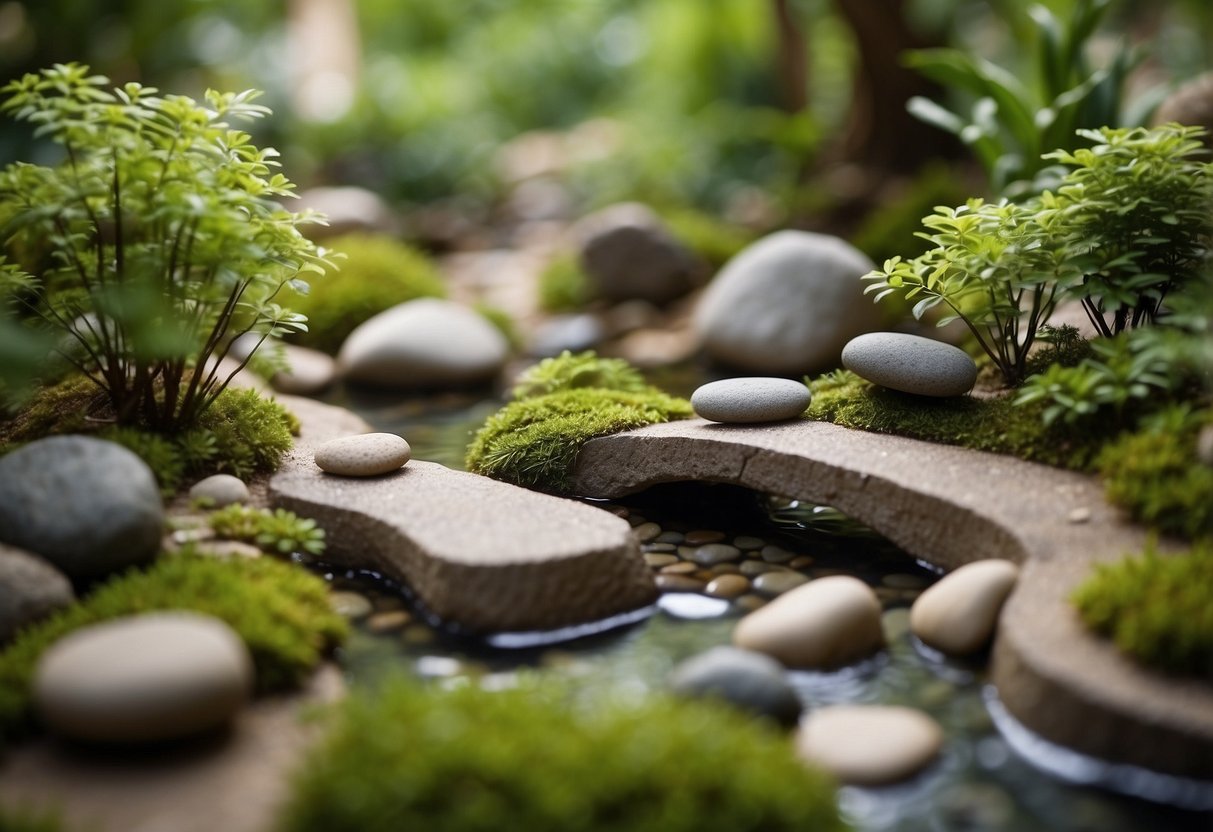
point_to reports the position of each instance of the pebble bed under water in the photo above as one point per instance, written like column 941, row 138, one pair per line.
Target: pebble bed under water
column 980, row 782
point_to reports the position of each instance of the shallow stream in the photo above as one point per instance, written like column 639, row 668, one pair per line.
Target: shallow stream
column 979, row 783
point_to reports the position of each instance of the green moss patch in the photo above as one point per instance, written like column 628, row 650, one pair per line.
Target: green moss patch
column 22, row 819
column 563, row 286
column 570, row 371
column 242, row 433
column 1156, row 475
column 410, row 757
column 713, row 239
column 377, row 273
column 280, row 610
column 1158, row 609
column 534, row 442
column 995, row 425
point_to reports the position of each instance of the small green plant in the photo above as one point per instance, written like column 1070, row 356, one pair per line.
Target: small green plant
column 278, row 532
column 532, row 757
column 1156, row 475
column 1013, row 122
column 377, row 273
column 165, row 237
column 534, row 441
column 1139, row 204
column 563, row 286
column 280, row 610
column 502, row 321
column 1157, row 608
column 569, row 371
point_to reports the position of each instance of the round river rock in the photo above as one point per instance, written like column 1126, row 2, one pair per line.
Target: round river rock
column 220, row 490
column 365, row 455
column 958, row 614
column 826, row 623
column 30, row 589
column 745, row 679
column 750, row 400
column 143, row 678
column 910, row 364
column 869, row 745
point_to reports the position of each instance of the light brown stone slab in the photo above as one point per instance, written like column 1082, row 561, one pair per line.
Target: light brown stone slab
column 951, row 506
column 481, row 554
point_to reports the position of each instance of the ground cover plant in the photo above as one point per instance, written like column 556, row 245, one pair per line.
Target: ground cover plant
column 276, row 531
column 153, row 244
column 280, row 610
column 533, row 757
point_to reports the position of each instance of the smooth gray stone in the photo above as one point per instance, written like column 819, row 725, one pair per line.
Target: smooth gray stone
column 628, row 253
column 743, row 678
column 787, row 304
column 911, row 364
column 750, row 400
column 88, row 506
column 30, row 589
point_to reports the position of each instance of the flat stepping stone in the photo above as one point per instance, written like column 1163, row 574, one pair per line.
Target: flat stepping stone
column 911, row 364
column 480, row 554
column 750, row 400
column 869, row 745
column 950, row 506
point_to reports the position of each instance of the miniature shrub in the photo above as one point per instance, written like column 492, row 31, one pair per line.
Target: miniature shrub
column 563, row 286
column 243, row 433
column 534, row 441
column 166, row 240
column 994, row 425
column 569, row 372
column 278, row 532
column 377, row 273
column 1157, row 477
column 280, row 610
column 412, row 757
column 1158, row 609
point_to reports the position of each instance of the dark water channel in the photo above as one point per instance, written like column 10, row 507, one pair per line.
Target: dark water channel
column 979, row 783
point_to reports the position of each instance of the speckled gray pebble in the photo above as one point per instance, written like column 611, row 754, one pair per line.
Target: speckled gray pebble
column 712, row 553
column 750, row 400
column 220, row 490
column 771, row 584
column 910, row 363
column 743, row 678
column 365, row 455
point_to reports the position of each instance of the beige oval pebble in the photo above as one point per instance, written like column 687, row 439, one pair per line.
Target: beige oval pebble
column 869, row 745
column 143, row 678
column 826, row 623
column 958, row 614
column 365, row 455
column 728, row 586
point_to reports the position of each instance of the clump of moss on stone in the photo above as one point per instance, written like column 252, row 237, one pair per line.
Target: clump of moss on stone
column 994, row 424
column 242, row 433
column 280, row 610
column 1158, row 609
column 534, row 442
column 1157, row 476
column 570, row 371
column 377, row 273
column 563, row 286
column 531, row 757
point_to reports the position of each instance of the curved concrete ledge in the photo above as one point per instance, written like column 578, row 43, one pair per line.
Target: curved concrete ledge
column 950, row 506
column 481, row 554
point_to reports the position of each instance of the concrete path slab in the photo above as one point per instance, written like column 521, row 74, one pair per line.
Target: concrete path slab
column 951, row 506
column 484, row 555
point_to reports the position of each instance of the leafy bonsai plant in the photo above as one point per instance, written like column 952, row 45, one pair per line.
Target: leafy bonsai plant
column 159, row 238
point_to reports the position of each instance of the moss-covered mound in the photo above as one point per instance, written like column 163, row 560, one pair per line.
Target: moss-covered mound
column 534, row 442
column 570, row 371
column 408, row 757
column 242, row 433
column 1157, row 609
column 1156, row 475
column 995, row 425
column 280, row 610
column 376, row 274
column 563, row 286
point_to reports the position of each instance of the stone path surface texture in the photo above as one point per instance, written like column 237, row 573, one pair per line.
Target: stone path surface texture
column 480, row 554
column 952, row 506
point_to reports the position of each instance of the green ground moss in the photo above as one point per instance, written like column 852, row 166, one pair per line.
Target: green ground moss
column 276, row 532
column 713, row 239
column 467, row 759
column 563, row 286
column 243, row 433
column 280, row 610
column 1158, row 609
column 534, row 442
column 1157, row 477
column 570, row 371
column 377, row 273
column 994, row 425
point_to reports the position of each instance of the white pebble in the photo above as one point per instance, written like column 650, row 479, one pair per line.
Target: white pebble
column 365, row 455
